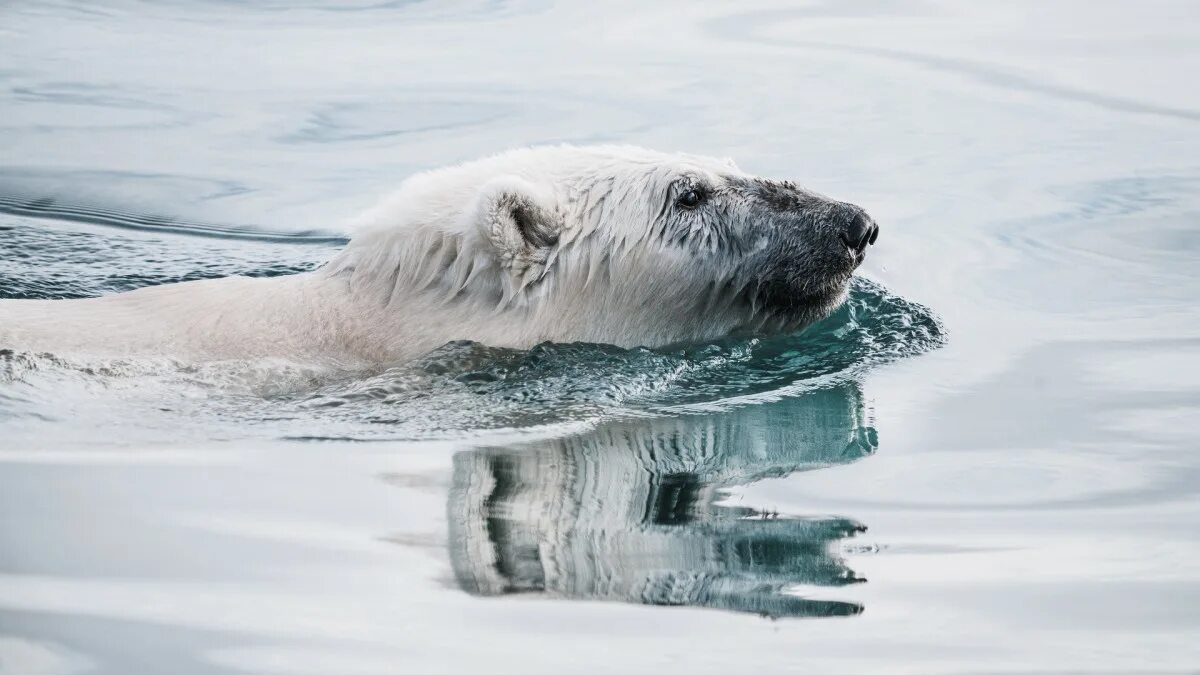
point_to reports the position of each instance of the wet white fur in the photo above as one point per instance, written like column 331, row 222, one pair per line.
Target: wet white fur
column 439, row 260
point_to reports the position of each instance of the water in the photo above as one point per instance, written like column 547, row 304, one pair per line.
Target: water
column 983, row 463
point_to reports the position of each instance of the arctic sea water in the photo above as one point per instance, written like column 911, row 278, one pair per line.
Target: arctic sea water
column 983, row 463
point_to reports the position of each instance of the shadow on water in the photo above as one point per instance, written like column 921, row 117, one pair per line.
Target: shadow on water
column 634, row 511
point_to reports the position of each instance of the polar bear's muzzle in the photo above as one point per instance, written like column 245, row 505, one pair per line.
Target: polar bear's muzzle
column 814, row 244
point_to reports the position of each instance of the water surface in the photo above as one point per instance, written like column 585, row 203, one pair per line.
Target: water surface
column 984, row 462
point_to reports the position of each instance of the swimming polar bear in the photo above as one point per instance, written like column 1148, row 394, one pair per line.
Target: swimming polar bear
column 606, row 244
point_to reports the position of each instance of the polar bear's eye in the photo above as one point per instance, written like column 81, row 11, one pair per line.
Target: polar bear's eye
column 690, row 199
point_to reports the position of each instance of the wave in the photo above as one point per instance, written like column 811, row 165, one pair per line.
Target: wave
column 465, row 388
column 55, row 209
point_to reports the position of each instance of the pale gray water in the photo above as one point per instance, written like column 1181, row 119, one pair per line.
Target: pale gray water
column 986, row 463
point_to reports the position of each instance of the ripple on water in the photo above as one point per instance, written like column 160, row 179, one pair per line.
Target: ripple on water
column 44, row 261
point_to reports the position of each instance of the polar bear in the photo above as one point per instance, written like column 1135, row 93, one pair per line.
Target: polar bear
column 605, row 244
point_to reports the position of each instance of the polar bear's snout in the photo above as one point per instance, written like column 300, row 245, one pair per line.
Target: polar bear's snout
column 815, row 218
column 815, row 244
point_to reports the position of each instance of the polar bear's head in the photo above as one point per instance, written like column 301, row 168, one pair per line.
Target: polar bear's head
column 608, row 244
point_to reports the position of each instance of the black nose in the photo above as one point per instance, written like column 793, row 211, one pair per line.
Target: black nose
column 859, row 231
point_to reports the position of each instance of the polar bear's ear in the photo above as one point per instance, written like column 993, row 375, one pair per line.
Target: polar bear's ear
column 520, row 219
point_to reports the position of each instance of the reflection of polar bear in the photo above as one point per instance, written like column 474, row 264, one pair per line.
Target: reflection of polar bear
column 602, row 244
column 630, row 511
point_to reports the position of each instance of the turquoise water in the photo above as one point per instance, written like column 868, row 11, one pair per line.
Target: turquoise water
column 983, row 463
